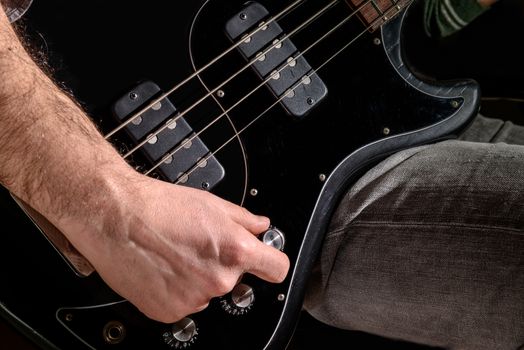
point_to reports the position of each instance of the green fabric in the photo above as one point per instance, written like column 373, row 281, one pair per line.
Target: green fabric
column 445, row 17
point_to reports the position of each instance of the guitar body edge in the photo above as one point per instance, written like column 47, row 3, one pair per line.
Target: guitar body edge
column 355, row 165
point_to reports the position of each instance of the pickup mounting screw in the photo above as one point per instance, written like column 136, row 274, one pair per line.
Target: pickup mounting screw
column 133, row 96
column 310, row 101
column 243, row 16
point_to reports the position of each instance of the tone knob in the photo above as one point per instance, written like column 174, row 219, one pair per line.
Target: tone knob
column 274, row 237
column 239, row 301
column 182, row 334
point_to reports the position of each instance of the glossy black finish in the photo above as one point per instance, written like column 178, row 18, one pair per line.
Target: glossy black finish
column 102, row 49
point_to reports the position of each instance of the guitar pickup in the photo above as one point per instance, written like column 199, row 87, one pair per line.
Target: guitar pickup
column 182, row 156
column 276, row 60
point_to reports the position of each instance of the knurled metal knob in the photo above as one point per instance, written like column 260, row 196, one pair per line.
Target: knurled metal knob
column 274, row 237
column 182, row 333
column 239, row 301
column 242, row 295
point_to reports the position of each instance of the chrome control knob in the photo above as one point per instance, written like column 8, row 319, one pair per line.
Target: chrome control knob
column 242, row 295
column 274, row 237
column 182, row 334
column 239, row 301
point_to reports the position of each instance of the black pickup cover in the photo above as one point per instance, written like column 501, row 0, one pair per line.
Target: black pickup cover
column 191, row 164
column 292, row 78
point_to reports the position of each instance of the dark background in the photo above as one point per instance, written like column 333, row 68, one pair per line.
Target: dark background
column 489, row 51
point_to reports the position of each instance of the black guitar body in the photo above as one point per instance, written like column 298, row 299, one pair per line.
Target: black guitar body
column 292, row 167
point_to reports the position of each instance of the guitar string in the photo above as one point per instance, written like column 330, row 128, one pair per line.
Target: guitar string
column 285, row 65
column 203, row 161
column 249, row 64
column 279, row 15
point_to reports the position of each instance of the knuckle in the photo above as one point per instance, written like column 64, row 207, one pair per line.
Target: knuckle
column 245, row 213
column 241, row 252
column 202, row 307
column 197, row 304
column 222, row 286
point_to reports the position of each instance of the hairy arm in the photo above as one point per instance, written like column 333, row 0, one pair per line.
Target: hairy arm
column 47, row 143
column 166, row 248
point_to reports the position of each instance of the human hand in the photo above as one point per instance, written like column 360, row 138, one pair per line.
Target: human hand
column 169, row 249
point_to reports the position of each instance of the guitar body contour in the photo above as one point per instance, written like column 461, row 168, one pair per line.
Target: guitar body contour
column 292, row 168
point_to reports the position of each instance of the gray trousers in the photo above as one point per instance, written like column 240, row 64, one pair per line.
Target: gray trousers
column 428, row 246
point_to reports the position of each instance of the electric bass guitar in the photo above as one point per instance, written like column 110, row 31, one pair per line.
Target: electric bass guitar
column 278, row 106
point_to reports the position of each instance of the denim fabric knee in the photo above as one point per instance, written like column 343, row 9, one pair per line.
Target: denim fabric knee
column 428, row 245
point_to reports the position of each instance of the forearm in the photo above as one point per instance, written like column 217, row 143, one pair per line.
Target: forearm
column 51, row 154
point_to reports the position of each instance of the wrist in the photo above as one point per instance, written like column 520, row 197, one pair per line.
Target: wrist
column 60, row 164
column 93, row 212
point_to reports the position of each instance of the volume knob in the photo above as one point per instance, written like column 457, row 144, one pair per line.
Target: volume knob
column 274, row 237
column 242, row 295
column 182, row 334
column 239, row 301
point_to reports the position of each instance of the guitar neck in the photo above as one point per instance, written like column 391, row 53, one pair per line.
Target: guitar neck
column 377, row 12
